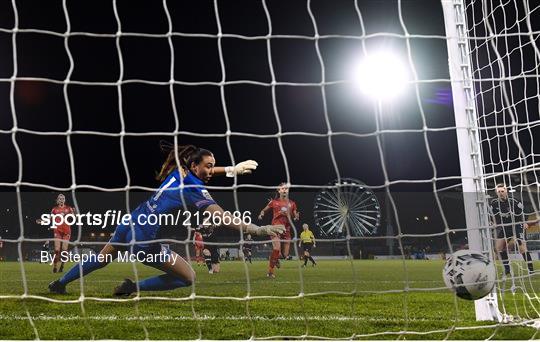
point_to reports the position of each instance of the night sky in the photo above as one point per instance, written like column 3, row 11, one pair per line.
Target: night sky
column 41, row 106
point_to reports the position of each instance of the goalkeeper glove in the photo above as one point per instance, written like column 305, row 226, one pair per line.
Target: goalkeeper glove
column 243, row 168
column 265, row 230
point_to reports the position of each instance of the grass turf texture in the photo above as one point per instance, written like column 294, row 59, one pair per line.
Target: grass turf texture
column 337, row 314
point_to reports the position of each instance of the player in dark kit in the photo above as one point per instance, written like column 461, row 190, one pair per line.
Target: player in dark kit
column 509, row 218
column 210, row 250
column 246, row 248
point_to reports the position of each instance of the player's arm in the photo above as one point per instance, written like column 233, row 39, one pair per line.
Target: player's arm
column 525, row 215
column 194, row 238
column 243, row 168
column 519, row 213
column 528, row 221
column 312, row 238
column 217, row 213
column 264, row 210
column 40, row 221
column 518, row 209
column 74, row 211
column 531, row 222
column 296, row 213
column 493, row 210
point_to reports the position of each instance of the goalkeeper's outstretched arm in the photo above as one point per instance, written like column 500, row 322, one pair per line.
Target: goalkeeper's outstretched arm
column 240, row 169
column 216, row 211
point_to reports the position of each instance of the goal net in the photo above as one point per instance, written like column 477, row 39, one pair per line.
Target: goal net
column 391, row 122
column 503, row 51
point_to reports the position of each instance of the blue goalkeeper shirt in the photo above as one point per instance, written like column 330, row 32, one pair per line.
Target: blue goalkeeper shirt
column 168, row 198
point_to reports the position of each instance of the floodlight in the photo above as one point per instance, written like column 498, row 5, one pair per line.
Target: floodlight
column 381, row 75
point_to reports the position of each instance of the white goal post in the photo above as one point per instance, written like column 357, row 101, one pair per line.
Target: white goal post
column 470, row 155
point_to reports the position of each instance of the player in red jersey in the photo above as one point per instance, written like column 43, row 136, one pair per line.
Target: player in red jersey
column 284, row 209
column 199, row 247
column 62, row 232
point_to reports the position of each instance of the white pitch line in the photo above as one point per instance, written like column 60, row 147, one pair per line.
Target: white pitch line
column 243, row 282
column 264, row 281
column 212, row 318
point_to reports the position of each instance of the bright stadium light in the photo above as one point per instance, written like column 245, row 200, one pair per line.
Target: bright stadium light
column 381, row 75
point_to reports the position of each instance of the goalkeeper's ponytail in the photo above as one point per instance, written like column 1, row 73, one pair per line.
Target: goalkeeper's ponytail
column 187, row 154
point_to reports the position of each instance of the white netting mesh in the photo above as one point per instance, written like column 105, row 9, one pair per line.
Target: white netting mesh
column 505, row 57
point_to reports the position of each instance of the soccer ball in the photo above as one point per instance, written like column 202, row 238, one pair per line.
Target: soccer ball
column 469, row 274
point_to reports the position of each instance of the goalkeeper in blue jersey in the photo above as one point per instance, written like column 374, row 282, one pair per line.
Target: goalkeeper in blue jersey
column 197, row 166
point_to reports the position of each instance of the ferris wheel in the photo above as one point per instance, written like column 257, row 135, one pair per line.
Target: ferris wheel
column 347, row 205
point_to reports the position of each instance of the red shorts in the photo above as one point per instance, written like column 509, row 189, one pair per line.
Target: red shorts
column 62, row 234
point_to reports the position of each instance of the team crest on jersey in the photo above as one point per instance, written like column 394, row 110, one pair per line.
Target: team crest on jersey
column 206, row 194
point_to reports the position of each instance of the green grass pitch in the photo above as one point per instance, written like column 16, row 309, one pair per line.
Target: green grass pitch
column 355, row 304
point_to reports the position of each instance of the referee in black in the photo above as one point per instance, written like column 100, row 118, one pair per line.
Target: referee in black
column 509, row 218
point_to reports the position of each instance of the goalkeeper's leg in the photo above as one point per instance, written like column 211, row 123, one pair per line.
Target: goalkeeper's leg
column 74, row 273
column 178, row 273
column 109, row 252
column 88, row 267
